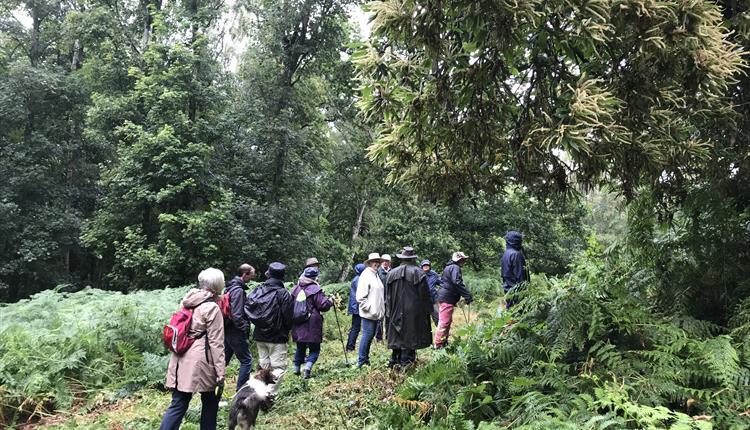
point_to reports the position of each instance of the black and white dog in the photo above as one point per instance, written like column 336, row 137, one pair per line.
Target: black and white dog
column 257, row 393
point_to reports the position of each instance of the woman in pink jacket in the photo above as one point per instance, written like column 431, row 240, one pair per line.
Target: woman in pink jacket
column 201, row 369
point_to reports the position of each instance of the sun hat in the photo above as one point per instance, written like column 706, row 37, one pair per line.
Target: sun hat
column 373, row 257
column 311, row 261
column 385, row 257
column 407, row 253
column 458, row 256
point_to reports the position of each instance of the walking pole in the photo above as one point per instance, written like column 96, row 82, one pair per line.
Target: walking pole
column 341, row 335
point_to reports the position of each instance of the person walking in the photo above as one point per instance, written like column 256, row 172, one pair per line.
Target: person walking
column 383, row 270
column 354, row 309
column 202, row 368
column 270, row 308
column 513, row 265
column 309, row 334
column 433, row 282
column 408, row 308
column 371, row 305
column 451, row 291
column 236, row 328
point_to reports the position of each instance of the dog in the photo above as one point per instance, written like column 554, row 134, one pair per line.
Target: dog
column 257, row 393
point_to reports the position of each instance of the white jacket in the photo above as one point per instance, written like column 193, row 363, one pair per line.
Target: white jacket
column 370, row 295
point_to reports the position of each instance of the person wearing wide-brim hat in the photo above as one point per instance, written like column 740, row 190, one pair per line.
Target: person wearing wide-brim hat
column 408, row 309
column 451, row 291
column 371, row 301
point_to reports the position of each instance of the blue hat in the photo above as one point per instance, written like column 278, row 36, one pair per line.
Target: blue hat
column 425, row 262
column 311, row 272
column 276, row 270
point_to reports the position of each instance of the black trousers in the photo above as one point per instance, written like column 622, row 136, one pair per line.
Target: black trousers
column 402, row 357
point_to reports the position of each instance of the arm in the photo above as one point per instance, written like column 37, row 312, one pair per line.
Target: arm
column 237, row 303
column 517, row 262
column 363, row 290
column 458, row 281
column 215, row 339
column 287, row 309
column 322, row 303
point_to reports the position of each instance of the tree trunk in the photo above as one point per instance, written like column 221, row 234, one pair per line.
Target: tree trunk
column 355, row 234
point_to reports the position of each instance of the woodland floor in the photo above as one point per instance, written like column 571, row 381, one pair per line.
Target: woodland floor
column 337, row 396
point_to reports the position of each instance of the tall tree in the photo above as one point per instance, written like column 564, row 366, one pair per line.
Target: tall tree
column 48, row 167
column 164, row 213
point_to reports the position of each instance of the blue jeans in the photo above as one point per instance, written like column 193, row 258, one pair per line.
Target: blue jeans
column 180, row 402
column 353, row 332
column 368, row 332
column 301, row 352
column 235, row 342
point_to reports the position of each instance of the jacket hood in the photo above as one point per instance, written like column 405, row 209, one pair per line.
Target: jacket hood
column 310, row 286
column 359, row 268
column 195, row 297
column 514, row 239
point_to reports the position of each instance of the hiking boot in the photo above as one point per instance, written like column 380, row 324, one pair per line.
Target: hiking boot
column 306, row 374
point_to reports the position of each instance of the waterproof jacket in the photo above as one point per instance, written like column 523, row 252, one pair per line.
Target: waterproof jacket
column 408, row 308
column 513, row 261
column 370, row 295
column 453, row 288
column 353, row 305
column 311, row 330
column 383, row 274
column 433, row 282
column 278, row 332
column 236, row 289
column 202, row 366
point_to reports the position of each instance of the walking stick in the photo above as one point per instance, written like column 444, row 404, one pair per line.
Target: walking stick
column 341, row 335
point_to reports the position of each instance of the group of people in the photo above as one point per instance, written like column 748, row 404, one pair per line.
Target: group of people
column 395, row 303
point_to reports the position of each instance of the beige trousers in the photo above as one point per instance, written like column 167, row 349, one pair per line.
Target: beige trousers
column 273, row 355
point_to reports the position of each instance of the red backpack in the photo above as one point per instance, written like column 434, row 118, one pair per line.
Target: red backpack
column 225, row 306
column 176, row 337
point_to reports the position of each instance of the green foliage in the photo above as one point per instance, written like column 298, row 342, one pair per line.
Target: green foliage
column 56, row 349
column 584, row 352
column 477, row 95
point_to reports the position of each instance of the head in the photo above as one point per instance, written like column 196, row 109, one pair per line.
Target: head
column 426, row 265
column 276, row 270
column 514, row 239
column 312, row 262
column 459, row 258
column 385, row 261
column 359, row 268
column 373, row 260
column 311, row 272
column 269, row 376
column 246, row 272
column 211, row 280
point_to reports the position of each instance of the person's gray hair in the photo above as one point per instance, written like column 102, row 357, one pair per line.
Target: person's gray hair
column 211, row 279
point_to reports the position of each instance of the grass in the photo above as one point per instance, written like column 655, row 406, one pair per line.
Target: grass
column 337, row 396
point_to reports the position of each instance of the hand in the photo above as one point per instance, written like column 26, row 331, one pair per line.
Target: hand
column 220, row 382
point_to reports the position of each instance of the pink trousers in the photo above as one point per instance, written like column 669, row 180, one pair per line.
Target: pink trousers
column 444, row 324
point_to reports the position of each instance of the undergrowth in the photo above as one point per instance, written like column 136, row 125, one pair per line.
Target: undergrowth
column 57, row 348
column 584, row 352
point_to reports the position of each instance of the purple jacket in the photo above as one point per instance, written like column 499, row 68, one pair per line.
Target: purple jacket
column 317, row 302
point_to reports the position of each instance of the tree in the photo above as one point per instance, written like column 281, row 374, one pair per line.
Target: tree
column 164, row 213
column 546, row 93
column 48, row 167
